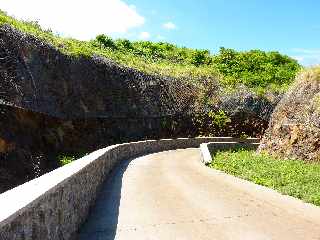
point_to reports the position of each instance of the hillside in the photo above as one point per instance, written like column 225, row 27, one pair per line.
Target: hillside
column 255, row 69
column 66, row 97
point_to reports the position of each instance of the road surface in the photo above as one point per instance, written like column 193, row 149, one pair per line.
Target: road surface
column 171, row 195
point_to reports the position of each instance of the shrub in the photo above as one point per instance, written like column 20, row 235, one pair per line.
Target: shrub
column 106, row 41
column 219, row 119
column 201, row 57
column 123, row 44
column 256, row 68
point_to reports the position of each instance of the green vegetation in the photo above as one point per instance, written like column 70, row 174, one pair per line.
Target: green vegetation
column 292, row 177
column 65, row 159
column 256, row 69
column 219, row 119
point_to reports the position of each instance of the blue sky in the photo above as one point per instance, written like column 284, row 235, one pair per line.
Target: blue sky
column 289, row 26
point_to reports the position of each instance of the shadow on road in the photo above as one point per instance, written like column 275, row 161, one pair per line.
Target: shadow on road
column 103, row 218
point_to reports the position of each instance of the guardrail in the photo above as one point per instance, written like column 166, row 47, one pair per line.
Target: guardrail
column 56, row 204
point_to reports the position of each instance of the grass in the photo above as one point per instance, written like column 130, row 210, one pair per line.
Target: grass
column 291, row 177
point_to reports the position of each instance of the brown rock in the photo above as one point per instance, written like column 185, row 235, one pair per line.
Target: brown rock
column 294, row 129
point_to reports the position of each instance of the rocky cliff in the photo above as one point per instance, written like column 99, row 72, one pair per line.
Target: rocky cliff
column 294, row 129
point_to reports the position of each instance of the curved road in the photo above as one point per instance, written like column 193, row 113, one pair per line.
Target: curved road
column 171, row 195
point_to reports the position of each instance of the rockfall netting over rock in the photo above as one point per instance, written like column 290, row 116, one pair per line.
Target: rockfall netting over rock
column 8, row 84
column 236, row 112
column 53, row 103
column 39, row 78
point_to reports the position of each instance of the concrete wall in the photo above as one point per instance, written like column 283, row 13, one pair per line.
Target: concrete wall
column 55, row 205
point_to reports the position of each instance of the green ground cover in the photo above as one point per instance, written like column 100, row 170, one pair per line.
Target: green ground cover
column 291, row 177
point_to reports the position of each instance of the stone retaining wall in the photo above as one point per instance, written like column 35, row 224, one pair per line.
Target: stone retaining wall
column 55, row 205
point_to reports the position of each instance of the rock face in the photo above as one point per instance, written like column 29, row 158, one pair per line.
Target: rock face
column 294, row 129
column 50, row 82
column 52, row 104
column 235, row 113
column 248, row 112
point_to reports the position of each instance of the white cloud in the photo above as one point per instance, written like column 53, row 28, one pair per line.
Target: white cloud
column 306, row 51
column 144, row 35
column 169, row 26
column 160, row 37
column 298, row 58
column 307, row 57
column 133, row 7
column 78, row 18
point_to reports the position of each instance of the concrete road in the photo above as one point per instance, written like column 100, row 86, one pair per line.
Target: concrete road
column 171, row 195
